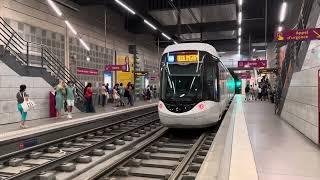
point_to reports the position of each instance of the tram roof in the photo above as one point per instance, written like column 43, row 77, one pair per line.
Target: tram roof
column 191, row 46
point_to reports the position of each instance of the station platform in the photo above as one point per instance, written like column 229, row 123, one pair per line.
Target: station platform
column 109, row 108
column 253, row 143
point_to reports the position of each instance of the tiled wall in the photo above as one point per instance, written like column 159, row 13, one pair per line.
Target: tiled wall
column 37, row 88
column 37, row 22
column 301, row 104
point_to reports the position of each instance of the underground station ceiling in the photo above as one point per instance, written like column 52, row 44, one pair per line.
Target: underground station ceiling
column 211, row 21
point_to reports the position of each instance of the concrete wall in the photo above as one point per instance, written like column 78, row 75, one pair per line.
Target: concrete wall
column 37, row 88
column 89, row 22
column 301, row 104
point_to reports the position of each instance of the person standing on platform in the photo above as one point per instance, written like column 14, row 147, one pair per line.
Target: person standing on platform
column 21, row 97
column 251, row 93
column 247, row 91
column 103, row 93
column 121, row 93
column 131, row 94
column 88, row 92
column 70, row 98
column 60, row 92
column 255, row 89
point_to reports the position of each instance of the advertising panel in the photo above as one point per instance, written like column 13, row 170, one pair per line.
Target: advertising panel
column 126, row 75
column 298, row 35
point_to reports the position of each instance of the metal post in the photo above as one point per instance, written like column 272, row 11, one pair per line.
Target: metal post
column 42, row 58
column 27, row 53
column 265, row 29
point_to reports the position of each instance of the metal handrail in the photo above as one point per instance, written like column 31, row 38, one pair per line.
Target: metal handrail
column 17, row 45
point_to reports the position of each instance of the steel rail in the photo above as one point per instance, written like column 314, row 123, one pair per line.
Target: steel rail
column 196, row 146
column 43, row 145
column 56, row 162
column 113, row 166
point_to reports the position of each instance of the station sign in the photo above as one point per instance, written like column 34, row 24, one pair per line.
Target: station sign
column 252, row 64
column 298, row 35
column 116, row 68
column 245, row 75
column 267, row 71
column 87, row 71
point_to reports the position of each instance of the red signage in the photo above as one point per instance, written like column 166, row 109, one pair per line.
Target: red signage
column 116, row 68
column 152, row 78
column 244, row 75
column 87, row 71
column 256, row 63
column 298, row 35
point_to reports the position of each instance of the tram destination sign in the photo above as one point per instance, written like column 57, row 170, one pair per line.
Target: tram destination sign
column 298, row 35
column 252, row 64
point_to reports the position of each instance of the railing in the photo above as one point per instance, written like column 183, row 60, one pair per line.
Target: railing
column 43, row 56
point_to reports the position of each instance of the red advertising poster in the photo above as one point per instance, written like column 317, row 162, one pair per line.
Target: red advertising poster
column 298, row 35
column 256, row 63
column 87, row 71
column 116, row 68
column 244, row 75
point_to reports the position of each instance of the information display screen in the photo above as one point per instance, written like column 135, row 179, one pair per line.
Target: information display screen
column 188, row 57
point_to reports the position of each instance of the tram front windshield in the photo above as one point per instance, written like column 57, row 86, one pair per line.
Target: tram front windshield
column 182, row 77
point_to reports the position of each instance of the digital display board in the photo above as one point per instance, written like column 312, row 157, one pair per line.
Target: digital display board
column 183, row 57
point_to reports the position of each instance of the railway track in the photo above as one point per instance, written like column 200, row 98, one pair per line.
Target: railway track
column 166, row 155
column 68, row 157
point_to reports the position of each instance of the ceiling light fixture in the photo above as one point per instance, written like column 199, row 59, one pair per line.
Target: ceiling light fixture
column 254, row 49
column 125, row 6
column 239, row 31
column 239, row 40
column 175, row 42
column 84, row 44
column 166, row 36
column 240, row 18
column 151, row 25
column 240, row 2
column 283, row 11
column 70, row 27
column 239, row 47
column 280, row 28
column 55, row 7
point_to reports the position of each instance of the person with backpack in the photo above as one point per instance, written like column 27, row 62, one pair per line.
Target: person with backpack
column 70, row 90
column 21, row 97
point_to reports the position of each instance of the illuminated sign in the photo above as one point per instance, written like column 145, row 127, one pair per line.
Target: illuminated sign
column 298, row 35
column 187, row 57
column 87, row 71
column 256, row 63
column 267, row 71
column 192, row 56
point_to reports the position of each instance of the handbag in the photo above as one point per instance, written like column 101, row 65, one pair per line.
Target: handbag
column 28, row 105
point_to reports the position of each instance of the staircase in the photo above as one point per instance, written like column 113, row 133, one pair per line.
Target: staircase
column 35, row 60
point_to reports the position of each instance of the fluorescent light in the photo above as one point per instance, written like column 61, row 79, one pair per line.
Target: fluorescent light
column 166, row 36
column 70, row 27
column 280, row 28
column 125, row 6
column 175, row 42
column 84, row 44
column 240, row 18
column 283, row 11
column 151, row 25
column 239, row 40
column 240, row 2
column 261, row 50
column 239, row 47
column 54, row 7
column 239, row 31
column 254, row 49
